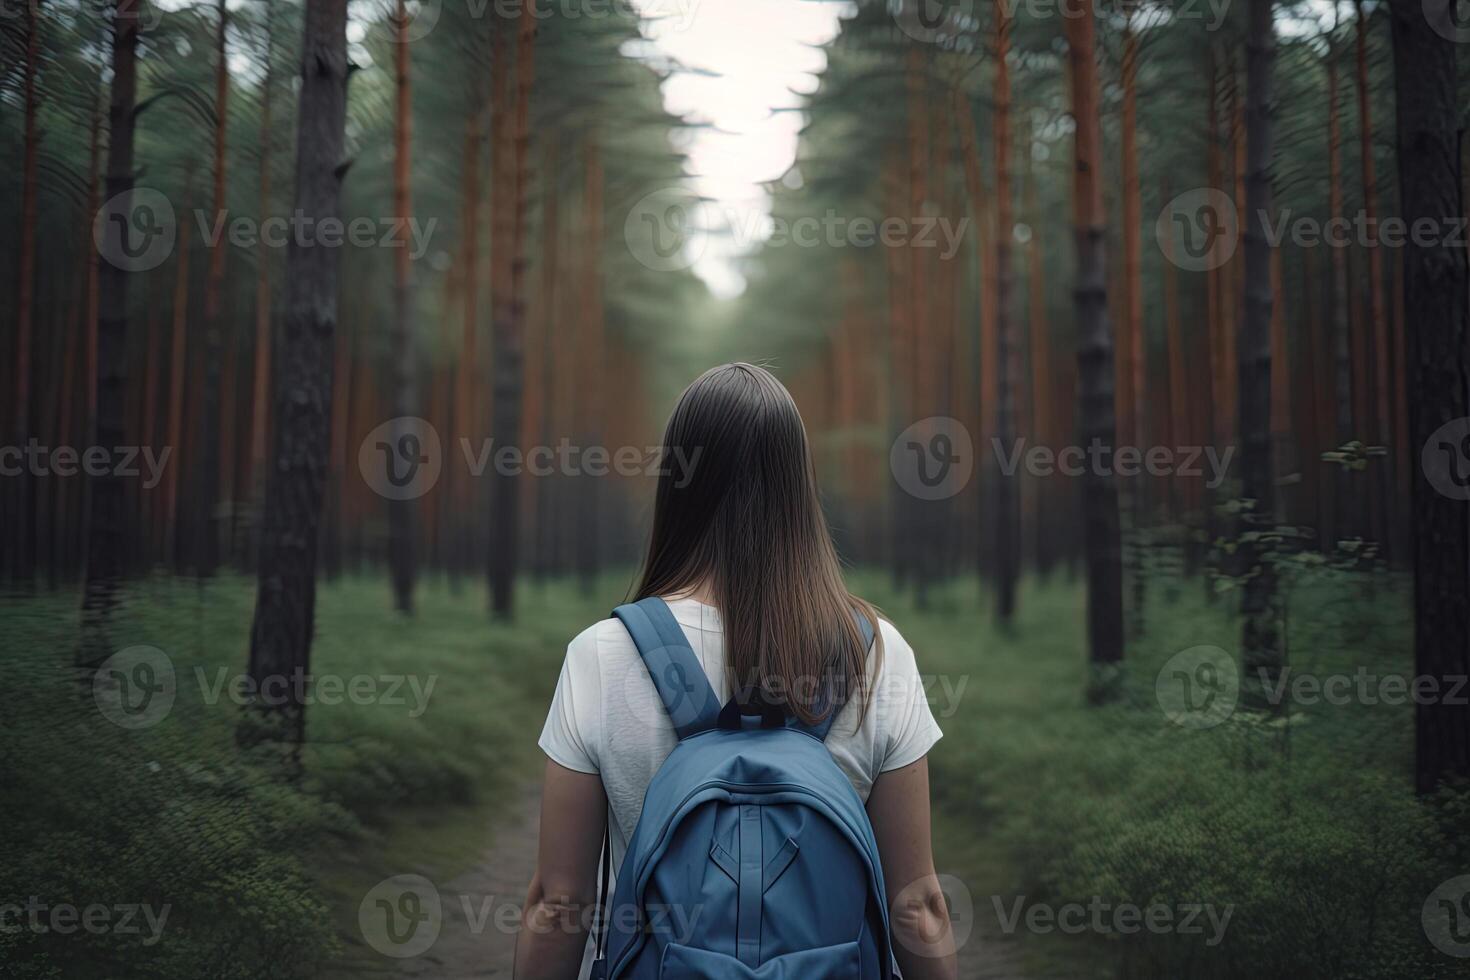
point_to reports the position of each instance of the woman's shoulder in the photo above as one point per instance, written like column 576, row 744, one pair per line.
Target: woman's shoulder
column 898, row 655
column 603, row 643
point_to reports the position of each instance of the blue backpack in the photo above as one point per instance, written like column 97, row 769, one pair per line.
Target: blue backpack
column 753, row 858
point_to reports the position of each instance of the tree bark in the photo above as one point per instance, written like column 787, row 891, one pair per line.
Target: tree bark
column 1260, row 645
column 467, row 376
column 1043, row 379
column 1183, row 433
column 214, row 455
column 551, row 366
column 985, row 354
column 21, row 557
column 509, row 331
column 1101, row 546
column 1215, row 288
column 920, row 553
column 402, row 513
column 1130, row 333
column 346, row 390
column 281, row 635
column 261, row 369
column 107, row 500
column 1377, row 328
column 1006, row 517
column 590, row 366
column 1438, row 320
column 178, row 349
column 1341, row 329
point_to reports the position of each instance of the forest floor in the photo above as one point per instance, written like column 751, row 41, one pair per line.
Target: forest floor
column 1042, row 802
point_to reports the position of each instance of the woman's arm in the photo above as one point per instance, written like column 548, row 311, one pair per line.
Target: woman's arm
column 559, row 907
column 899, row 810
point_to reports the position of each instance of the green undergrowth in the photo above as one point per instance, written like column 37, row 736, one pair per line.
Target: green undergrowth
column 248, row 868
column 1286, row 844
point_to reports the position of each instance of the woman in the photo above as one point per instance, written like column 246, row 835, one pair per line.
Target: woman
column 741, row 553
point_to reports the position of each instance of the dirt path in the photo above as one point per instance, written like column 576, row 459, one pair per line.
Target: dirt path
column 481, row 906
column 477, row 938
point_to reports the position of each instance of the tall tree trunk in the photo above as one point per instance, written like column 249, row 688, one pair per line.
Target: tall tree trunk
column 920, row 546
column 226, row 508
column 47, row 429
column 1216, row 427
column 985, row 271
column 402, row 512
column 1341, row 342
column 1282, row 450
column 1217, row 287
column 261, row 369
column 1402, row 453
column 177, row 353
column 591, row 366
column 509, row 327
column 551, row 396
column 1437, row 346
column 285, row 604
column 1006, row 517
column 1314, row 404
column 94, row 264
column 1234, row 269
column 207, row 544
column 1260, row 645
column 66, row 404
column 1130, row 333
column 467, row 376
column 1043, row 379
column 1381, row 430
column 345, row 388
column 1094, row 359
column 21, row 558
column 148, row 427
column 1183, row 433
column 107, row 500
column 985, row 281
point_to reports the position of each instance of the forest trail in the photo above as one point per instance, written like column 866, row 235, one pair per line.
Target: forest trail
column 472, row 944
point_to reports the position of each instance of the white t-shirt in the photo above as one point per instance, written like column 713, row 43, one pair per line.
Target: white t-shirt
column 606, row 717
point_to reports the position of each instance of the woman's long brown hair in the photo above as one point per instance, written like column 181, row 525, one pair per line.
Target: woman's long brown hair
column 743, row 517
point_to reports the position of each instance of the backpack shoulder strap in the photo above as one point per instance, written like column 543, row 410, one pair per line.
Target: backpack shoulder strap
column 676, row 673
column 821, row 728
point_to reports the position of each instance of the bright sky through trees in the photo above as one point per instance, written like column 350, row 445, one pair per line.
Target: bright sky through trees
column 746, row 60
